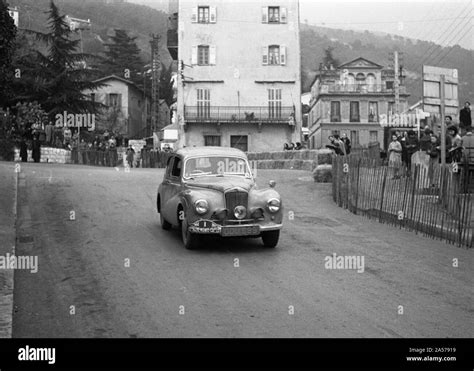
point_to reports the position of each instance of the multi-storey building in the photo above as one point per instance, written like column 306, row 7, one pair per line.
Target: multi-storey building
column 240, row 85
column 350, row 99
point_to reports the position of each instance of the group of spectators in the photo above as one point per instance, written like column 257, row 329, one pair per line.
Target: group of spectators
column 293, row 146
column 341, row 145
column 404, row 146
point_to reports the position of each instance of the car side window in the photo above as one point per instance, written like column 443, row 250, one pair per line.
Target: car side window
column 169, row 166
column 176, row 170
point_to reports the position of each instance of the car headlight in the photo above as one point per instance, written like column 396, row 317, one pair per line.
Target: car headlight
column 273, row 205
column 201, row 206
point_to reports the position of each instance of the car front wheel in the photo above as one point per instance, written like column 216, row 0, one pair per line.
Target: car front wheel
column 270, row 238
column 190, row 240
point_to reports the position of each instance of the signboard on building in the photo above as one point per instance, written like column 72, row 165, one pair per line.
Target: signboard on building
column 432, row 92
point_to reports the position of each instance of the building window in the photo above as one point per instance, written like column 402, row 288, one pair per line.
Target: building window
column 274, row 103
column 273, row 14
column 203, row 14
column 335, row 111
column 360, row 77
column 204, row 103
column 390, row 108
column 92, row 97
column 373, row 112
column 354, row 112
column 212, row 140
column 373, row 136
column 371, row 82
column 355, row 138
column 203, row 55
column 239, row 141
column 114, row 100
column 389, row 85
column 274, row 54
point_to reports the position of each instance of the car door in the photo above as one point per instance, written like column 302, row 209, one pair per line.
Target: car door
column 171, row 189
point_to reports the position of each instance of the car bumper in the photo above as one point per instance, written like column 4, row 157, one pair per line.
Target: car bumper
column 241, row 230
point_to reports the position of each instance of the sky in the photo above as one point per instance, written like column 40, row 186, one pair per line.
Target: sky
column 446, row 22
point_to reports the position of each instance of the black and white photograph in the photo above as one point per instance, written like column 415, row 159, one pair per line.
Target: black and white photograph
column 300, row 170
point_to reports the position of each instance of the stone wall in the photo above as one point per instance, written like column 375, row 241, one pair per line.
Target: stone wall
column 317, row 161
column 48, row 154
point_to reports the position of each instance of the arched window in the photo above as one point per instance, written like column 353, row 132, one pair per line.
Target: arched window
column 371, row 82
column 360, row 79
column 350, row 82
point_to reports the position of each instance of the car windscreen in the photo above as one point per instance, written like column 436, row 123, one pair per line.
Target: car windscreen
column 217, row 166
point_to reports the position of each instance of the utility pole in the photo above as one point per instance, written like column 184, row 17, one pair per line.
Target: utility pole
column 443, row 123
column 155, row 89
column 397, row 82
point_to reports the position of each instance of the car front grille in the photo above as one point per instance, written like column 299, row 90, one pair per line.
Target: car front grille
column 233, row 199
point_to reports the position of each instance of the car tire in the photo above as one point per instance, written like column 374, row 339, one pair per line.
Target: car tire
column 164, row 224
column 270, row 238
column 190, row 240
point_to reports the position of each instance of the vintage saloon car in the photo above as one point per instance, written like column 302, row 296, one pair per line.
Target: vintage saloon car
column 212, row 191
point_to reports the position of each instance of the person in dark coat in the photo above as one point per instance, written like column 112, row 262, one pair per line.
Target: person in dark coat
column 412, row 146
column 36, row 150
column 465, row 120
column 23, row 150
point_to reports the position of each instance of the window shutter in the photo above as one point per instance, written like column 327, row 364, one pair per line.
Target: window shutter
column 212, row 14
column 119, row 100
column 264, row 14
column 283, row 55
column 194, row 16
column 212, row 54
column 194, row 55
column 283, row 15
column 265, row 55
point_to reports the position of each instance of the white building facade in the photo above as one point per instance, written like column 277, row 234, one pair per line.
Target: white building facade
column 240, row 85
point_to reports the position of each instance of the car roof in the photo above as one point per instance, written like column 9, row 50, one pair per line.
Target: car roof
column 215, row 151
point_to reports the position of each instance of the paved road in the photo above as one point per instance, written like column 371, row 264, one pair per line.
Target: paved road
column 84, row 287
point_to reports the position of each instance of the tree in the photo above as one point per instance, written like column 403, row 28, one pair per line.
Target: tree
column 57, row 80
column 7, row 44
column 123, row 58
column 329, row 59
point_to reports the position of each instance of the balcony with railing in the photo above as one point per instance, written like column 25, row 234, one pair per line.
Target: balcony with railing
column 359, row 89
column 248, row 114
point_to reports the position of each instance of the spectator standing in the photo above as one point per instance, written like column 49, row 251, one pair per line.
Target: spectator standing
column 465, row 120
column 454, row 152
column 82, row 151
column 434, row 152
column 130, row 155
column 412, row 146
column 67, row 134
column 23, row 150
column 468, row 144
column 49, row 131
column 36, row 150
column 394, row 155
column 347, row 143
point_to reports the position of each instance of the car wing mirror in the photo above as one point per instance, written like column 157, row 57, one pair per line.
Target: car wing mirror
column 272, row 183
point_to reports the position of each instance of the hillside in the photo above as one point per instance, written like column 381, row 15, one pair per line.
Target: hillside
column 141, row 21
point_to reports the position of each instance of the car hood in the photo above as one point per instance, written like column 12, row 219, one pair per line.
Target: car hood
column 222, row 184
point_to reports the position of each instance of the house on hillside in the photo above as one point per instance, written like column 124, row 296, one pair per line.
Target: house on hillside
column 350, row 99
column 242, row 91
column 15, row 14
column 127, row 107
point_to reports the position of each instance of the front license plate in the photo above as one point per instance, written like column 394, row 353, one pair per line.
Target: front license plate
column 236, row 231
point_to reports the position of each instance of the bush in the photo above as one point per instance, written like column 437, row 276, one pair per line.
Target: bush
column 7, row 150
